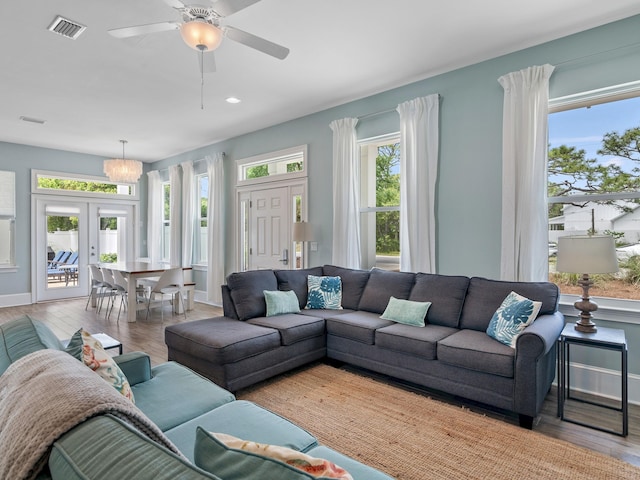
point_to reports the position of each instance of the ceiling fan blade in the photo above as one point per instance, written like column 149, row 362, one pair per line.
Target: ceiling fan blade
column 227, row 7
column 207, row 62
column 127, row 32
column 174, row 3
column 253, row 41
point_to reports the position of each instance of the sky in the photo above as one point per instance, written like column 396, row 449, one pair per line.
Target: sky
column 584, row 128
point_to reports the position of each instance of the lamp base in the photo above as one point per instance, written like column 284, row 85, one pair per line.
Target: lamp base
column 585, row 327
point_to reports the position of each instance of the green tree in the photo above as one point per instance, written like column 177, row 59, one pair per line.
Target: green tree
column 388, row 195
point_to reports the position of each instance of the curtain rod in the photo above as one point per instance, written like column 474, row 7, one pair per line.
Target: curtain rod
column 382, row 112
column 596, row 54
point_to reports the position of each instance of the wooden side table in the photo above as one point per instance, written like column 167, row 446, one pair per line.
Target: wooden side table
column 604, row 338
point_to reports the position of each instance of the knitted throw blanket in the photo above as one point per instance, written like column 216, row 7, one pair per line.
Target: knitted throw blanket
column 47, row 393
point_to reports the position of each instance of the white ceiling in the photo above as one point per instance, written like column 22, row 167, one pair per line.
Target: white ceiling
column 97, row 89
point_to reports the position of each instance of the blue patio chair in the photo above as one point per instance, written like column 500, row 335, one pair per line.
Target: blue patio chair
column 53, row 267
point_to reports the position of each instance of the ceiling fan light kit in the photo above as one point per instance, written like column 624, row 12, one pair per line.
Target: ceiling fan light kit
column 201, row 35
column 123, row 170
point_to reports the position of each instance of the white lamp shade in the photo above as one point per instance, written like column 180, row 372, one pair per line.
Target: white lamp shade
column 587, row 254
column 200, row 35
column 123, row 170
column 302, row 232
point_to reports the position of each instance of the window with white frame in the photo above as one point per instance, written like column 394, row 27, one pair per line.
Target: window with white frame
column 166, row 221
column 280, row 165
column 7, row 219
column 202, row 211
column 380, row 201
column 594, row 182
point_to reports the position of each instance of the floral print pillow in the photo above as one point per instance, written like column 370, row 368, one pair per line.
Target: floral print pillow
column 512, row 317
column 89, row 350
column 324, row 293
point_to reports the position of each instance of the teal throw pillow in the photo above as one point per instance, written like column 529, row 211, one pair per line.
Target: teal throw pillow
column 214, row 456
column 512, row 317
column 406, row 311
column 281, row 302
column 324, row 293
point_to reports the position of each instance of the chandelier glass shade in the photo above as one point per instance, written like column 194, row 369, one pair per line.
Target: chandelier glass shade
column 123, row 170
column 201, row 35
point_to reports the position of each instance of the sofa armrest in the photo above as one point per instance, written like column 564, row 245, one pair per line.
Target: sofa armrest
column 136, row 366
column 538, row 338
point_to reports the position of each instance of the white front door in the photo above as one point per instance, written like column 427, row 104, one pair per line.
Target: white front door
column 270, row 229
column 111, row 236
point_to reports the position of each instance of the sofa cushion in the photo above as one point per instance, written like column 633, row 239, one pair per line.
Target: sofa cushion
column 296, row 280
column 86, row 349
column 406, row 311
column 231, row 418
column 485, row 296
column 324, row 293
column 383, row 285
column 174, row 385
column 356, row 469
column 446, row 294
column 360, row 326
column 280, row 303
column 421, row 342
column 293, row 328
column 477, row 351
column 353, row 283
column 221, row 339
column 212, row 455
column 22, row 336
column 511, row 318
column 246, row 290
column 104, row 447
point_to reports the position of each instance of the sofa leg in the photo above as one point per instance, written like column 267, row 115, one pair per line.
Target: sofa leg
column 332, row 362
column 526, row 422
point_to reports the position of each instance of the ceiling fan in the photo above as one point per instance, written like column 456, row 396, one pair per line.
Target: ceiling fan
column 201, row 30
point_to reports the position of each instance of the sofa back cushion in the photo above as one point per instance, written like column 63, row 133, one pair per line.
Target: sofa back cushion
column 484, row 296
column 383, row 285
column 446, row 294
column 296, row 280
column 23, row 336
column 353, row 283
column 246, row 291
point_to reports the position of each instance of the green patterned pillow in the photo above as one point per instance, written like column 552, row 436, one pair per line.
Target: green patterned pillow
column 512, row 317
column 324, row 293
column 281, row 302
column 406, row 311
column 89, row 351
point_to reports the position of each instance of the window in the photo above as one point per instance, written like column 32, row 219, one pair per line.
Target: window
column 166, row 221
column 380, row 202
column 200, row 253
column 7, row 218
column 279, row 165
column 70, row 184
column 594, row 183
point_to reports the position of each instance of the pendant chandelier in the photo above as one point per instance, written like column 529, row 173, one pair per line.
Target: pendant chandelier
column 122, row 170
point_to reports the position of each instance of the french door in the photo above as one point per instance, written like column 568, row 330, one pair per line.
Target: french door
column 69, row 235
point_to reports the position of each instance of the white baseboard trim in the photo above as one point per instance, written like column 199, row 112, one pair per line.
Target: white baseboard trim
column 201, row 297
column 603, row 382
column 15, row 300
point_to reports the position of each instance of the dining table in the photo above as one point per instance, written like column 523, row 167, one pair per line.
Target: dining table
column 135, row 271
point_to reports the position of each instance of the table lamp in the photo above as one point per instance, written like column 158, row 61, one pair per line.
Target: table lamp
column 302, row 233
column 586, row 254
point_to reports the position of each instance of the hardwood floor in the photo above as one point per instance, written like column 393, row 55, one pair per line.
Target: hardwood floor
column 67, row 316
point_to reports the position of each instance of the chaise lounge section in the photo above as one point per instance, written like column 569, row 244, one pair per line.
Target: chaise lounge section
column 452, row 353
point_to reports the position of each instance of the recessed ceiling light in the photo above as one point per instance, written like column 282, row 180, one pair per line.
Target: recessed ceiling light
column 233, row 100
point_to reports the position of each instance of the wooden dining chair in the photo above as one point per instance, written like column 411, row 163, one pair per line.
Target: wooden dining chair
column 171, row 282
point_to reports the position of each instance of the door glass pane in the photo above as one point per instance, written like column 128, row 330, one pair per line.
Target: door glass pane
column 108, row 239
column 62, row 251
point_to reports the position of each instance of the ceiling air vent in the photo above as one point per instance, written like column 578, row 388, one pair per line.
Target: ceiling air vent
column 66, row 28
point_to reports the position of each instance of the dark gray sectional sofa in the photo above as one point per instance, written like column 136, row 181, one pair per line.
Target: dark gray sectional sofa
column 452, row 353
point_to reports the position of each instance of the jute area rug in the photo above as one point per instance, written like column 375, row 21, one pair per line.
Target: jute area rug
column 412, row 437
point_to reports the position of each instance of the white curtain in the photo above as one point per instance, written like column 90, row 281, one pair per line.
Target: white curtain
column 154, row 216
column 175, row 228
column 346, row 191
column 189, row 209
column 524, row 174
column 215, row 228
column 419, row 172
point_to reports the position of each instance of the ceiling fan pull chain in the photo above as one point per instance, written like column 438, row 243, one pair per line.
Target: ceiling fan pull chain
column 202, row 79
